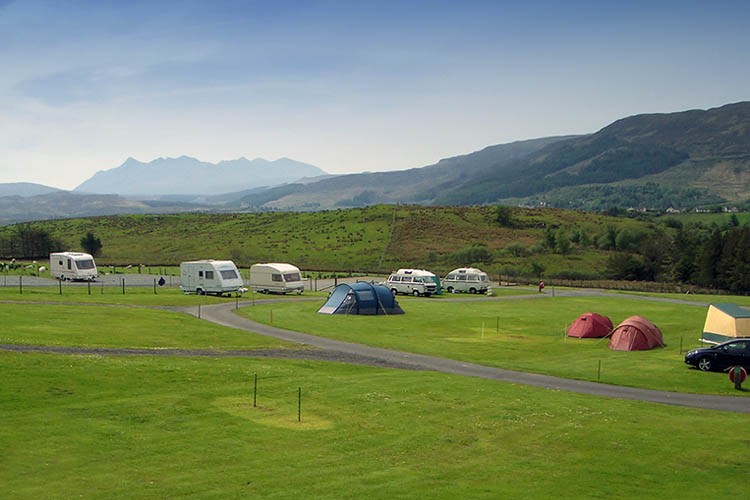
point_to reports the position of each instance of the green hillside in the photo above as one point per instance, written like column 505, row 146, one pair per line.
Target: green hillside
column 372, row 239
column 682, row 159
column 518, row 244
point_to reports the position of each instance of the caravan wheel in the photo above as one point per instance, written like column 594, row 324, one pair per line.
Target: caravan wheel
column 200, row 291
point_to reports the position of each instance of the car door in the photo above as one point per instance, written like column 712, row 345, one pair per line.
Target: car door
column 735, row 353
column 743, row 354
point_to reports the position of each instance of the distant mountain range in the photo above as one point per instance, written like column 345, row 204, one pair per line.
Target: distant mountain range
column 681, row 160
column 653, row 161
column 189, row 176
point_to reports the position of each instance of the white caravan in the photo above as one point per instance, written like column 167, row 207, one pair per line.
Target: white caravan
column 276, row 277
column 412, row 281
column 211, row 277
column 467, row 279
column 76, row 266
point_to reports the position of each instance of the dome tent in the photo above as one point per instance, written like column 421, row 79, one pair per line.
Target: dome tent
column 590, row 325
column 361, row 298
column 635, row 334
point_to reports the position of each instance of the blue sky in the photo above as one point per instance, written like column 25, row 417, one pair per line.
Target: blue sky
column 348, row 86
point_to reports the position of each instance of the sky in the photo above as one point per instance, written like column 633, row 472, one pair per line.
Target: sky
column 347, row 86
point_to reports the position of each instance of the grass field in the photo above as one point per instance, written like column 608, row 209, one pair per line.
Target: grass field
column 93, row 426
column 525, row 335
column 141, row 427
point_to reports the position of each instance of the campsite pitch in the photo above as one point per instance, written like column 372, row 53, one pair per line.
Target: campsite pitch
column 150, row 427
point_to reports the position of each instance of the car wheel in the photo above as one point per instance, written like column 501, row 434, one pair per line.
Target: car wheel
column 704, row 364
column 394, row 291
column 416, row 293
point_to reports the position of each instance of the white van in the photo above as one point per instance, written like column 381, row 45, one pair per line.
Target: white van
column 276, row 277
column 467, row 279
column 412, row 282
column 211, row 276
column 76, row 266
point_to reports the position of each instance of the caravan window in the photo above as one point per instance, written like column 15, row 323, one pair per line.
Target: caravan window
column 228, row 274
column 276, row 277
column 292, row 277
column 209, row 275
column 85, row 264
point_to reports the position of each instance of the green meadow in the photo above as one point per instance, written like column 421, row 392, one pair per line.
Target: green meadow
column 525, row 334
column 93, row 426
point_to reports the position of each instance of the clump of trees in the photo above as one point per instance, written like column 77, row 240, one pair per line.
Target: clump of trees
column 91, row 244
column 707, row 256
column 26, row 241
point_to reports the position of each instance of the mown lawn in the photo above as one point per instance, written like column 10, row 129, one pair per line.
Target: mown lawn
column 154, row 427
column 119, row 326
column 526, row 334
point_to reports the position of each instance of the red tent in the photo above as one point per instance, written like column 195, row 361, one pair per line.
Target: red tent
column 590, row 325
column 635, row 334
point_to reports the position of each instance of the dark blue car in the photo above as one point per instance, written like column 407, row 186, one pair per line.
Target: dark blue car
column 721, row 356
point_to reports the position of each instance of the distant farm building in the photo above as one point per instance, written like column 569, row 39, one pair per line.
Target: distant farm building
column 726, row 322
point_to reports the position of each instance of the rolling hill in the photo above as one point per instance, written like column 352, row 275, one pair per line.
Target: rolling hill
column 652, row 161
column 655, row 161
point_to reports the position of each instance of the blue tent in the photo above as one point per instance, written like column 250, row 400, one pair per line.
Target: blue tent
column 361, row 298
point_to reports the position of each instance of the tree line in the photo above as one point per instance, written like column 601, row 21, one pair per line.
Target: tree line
column 28, row 242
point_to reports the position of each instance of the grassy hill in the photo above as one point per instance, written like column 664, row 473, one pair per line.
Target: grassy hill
column 682, row 159
column 374, row 239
